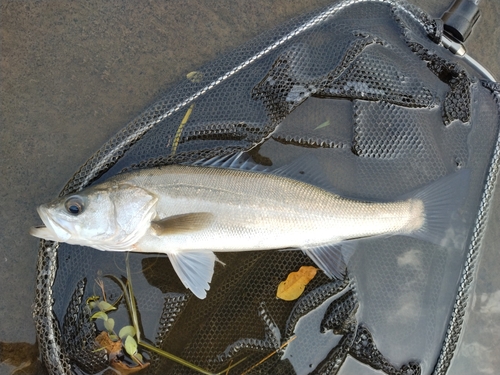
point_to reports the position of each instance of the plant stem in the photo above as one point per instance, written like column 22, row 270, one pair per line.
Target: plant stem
column 132, row 307
column 174, row 358
column 128, row 294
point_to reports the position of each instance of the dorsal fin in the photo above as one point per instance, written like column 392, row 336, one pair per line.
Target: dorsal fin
column 304, row 168
column 239, row 160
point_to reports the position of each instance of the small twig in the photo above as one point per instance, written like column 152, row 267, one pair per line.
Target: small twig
column 122, row 285
column 100, row 283
column 230, row 367
column 270, row 355
column 227, row 372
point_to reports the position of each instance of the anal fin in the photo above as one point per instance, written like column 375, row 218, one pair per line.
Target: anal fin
column 331, row 258
column 195, row 270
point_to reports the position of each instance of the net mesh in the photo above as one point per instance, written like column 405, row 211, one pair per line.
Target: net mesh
column 363, row 87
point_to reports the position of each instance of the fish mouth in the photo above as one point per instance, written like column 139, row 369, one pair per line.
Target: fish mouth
column 51, row 231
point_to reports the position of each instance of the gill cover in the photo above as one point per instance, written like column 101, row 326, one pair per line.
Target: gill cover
column 109, row 217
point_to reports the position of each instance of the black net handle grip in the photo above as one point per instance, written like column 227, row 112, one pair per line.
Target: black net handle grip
column 460, row 18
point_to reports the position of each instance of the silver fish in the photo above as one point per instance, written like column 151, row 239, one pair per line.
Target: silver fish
column 190, row 212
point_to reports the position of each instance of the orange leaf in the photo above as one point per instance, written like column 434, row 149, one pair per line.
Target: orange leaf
column 294, row 285
column 125, row 369
column 113, row 348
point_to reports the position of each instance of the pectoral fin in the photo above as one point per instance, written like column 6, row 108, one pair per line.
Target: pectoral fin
column 195, row 269
column 184, row 223
column 332, row 259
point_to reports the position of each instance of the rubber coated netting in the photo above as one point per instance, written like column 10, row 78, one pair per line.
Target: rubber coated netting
column 362, row 86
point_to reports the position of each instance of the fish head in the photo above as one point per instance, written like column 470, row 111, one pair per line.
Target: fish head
column 106, row 217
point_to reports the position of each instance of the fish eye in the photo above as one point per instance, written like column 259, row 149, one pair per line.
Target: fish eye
column 74, row 205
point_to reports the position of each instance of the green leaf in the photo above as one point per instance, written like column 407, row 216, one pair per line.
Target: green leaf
column 100, row 315
column 105, row 306
column 131, row 346
column 109, row 324
column 127, row 331
column 113, row 337
column 138, row 356
column 92, row 305
column 323, row 125
column 93, row 299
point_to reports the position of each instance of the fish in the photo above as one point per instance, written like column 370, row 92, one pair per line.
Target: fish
column 232, row 204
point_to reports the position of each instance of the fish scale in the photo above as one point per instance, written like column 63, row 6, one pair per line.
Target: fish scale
column 252, row 206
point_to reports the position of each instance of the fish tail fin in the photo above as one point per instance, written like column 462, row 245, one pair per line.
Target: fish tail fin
column 434, row 204
column 440, row 199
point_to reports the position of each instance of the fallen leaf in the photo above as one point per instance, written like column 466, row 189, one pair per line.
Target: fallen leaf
column 100, row 315
column 126, row 331
column 109, row 324
column 195, row 77
column 125, row 369
column 92, row 299
column 130, row 346
column 178, row 133
column 105, row 306
column 294, row 285
column 113, row 348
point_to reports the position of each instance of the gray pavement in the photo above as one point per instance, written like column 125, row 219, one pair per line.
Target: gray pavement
column 74, row 72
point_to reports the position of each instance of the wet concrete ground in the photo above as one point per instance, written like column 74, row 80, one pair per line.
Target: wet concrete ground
column 74, row 73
